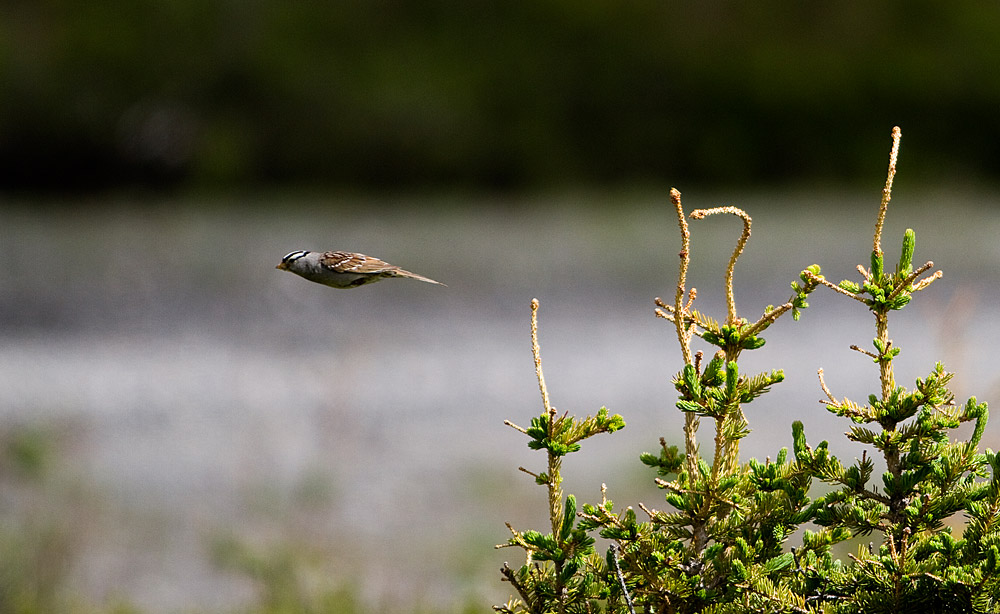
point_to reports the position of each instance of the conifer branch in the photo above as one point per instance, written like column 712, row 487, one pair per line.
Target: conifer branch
column 823, row 281
column 871, row 355
column 923, row 283
column 515, row 427
column 887, row 190
column 554, row 481
column 767, row 319
column 684, row 331
column 886, row 375
column 904, row 285
column 864, row 273
column 822, row 384
column 698, row 214
column 621, row 579
column 537, row 353
column 510, row 576
column 694, row 322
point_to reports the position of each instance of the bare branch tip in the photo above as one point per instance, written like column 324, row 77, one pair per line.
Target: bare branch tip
column 887, row 190
column 692, row 294
column 864, row 351
column 515, row 427
column 826, row 391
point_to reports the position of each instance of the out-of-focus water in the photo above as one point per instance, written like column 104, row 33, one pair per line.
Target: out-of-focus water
column 206, row 393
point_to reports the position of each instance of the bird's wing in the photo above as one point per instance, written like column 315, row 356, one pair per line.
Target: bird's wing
column 348, row 262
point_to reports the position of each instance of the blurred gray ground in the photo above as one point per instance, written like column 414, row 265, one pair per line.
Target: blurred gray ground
column 207, row 394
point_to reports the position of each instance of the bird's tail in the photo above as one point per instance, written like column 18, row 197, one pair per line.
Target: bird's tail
column 402, row 273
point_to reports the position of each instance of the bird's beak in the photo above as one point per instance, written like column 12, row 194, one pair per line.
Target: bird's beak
column 281, row 265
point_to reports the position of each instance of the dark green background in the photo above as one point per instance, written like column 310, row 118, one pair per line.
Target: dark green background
column 492, row 95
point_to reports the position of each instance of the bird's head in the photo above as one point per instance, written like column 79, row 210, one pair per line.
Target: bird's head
column 291, row 257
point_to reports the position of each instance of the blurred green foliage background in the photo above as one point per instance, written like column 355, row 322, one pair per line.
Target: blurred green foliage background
column 487, row 95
